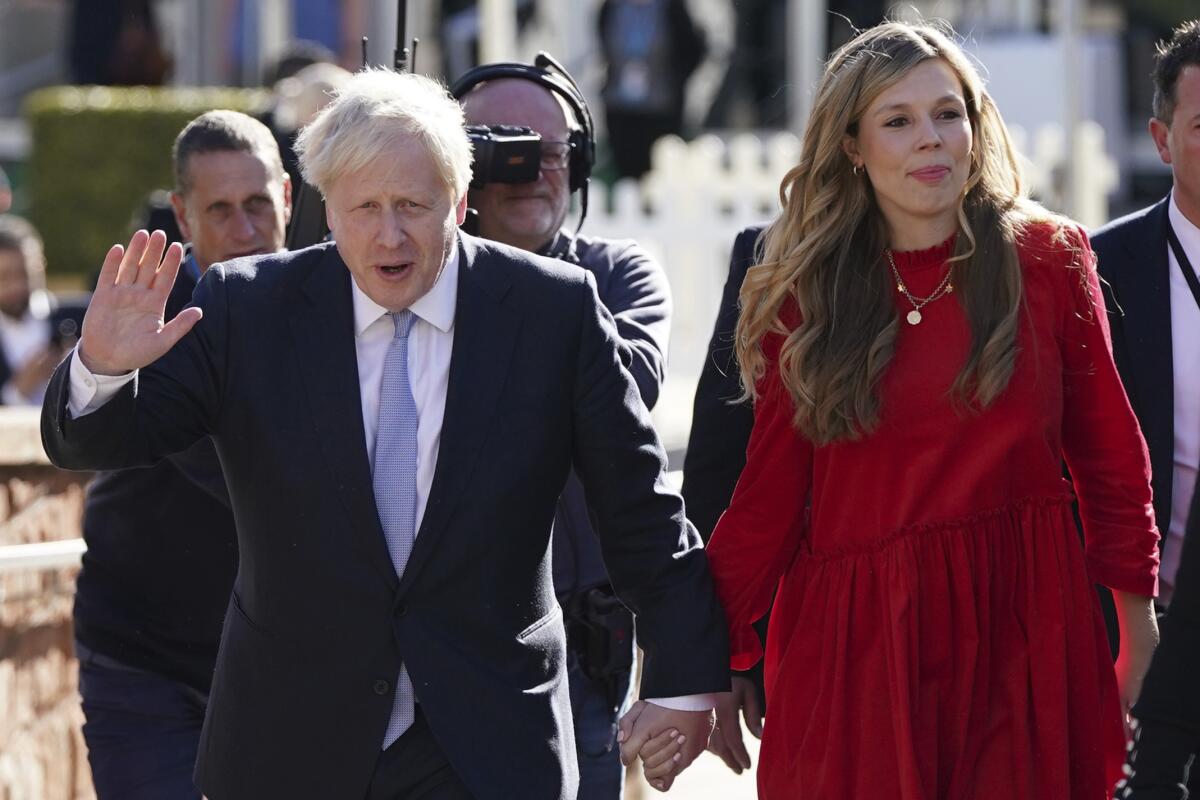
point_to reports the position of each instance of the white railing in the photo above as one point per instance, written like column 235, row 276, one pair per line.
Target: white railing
column 41, row 556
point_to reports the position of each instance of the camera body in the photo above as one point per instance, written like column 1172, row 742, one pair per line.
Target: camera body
column 504, row 154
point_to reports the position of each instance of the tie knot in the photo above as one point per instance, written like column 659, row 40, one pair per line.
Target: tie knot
column 403, row 320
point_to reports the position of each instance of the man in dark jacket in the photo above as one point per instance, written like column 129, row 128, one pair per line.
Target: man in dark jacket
column 162, row 550
column 633, row 288
column 395, row 437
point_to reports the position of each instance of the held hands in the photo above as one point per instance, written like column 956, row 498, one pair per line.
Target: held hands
column 726, row 741
column 123, row 329
column 666, row 740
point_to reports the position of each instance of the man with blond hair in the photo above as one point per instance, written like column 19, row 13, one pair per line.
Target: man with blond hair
column 395, row 432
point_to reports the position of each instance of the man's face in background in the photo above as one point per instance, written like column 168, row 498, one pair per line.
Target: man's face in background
column 235, row 205
column 525, row 215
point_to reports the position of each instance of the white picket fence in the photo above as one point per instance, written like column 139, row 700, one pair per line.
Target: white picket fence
column 688, row 210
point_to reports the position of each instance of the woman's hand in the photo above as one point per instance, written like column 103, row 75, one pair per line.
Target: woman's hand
column 1139, row 637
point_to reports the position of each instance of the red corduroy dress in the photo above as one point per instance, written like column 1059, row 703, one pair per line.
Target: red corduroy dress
column 935, row 634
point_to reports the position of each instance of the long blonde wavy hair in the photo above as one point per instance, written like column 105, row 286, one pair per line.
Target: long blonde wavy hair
column 827, row 249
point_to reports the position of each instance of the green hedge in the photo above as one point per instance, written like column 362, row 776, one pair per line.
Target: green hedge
column 97, row 154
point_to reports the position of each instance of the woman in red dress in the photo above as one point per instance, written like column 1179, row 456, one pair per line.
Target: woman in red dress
column 925, row 348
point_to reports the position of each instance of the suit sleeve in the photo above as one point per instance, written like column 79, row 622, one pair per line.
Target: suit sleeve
column 716, row 449
column 171, row 405
column 1102, row 444
column 639, row 298
column 760, row 533
column 652, row 553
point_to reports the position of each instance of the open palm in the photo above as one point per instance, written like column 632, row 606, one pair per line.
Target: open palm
column 124, row 329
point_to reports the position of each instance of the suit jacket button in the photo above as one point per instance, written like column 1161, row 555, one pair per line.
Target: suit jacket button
column 381, row 687
column 401, row 610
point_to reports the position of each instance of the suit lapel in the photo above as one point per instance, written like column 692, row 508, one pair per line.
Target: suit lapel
column 1144, row 290
column 485, row 333
column 323, row 326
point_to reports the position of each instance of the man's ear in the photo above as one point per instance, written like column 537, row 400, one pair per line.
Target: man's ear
column 460, row 213
column 179, row 206
column 1160, row 132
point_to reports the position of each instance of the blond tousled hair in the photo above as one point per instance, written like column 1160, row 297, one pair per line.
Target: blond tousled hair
column 369, row 110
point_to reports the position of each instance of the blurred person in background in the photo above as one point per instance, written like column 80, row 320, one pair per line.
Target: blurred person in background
column 297, row 99
column 117, row 43
column 925, row 347
column 650, row 48
column 6, row 197
column 29, row 350
column 1151, row 261
column 633, row 287
column 162, row 546
column 298, row 54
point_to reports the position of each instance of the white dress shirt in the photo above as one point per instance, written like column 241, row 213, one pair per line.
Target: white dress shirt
column 1185, row 350
column 430, row 346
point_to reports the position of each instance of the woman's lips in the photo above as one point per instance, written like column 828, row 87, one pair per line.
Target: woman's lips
column 930, row 174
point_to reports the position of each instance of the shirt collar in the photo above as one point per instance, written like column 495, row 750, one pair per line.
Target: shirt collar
column 1189, row 234
column 435, row 307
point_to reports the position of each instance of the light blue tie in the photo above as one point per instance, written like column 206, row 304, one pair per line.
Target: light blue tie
column 394, row 476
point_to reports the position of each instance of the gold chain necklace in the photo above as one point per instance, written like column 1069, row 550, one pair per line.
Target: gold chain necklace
column 943, row 288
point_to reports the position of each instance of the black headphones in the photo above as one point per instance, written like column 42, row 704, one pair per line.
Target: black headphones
column 546, row 72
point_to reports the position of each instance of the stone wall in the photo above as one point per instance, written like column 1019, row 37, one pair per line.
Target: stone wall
column 42, row 754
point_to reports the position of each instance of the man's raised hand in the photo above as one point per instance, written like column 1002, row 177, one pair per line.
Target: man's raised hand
column 124, row 329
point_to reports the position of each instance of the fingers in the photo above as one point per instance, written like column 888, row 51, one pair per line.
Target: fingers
column 108, row 270
column 717, row 746
column 164, row 278
column 177, row 328
column 151, row 257
column 656, row 745
column 128, row 269
column 625, row 730
column 733, row 738
column 663, row 784
column 752, row 713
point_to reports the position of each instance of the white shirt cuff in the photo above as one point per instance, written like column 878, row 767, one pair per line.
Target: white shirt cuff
column 87, row 391
column 687, row 702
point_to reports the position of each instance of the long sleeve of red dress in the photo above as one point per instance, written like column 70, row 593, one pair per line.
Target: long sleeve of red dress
column 1102, row 443
column 767, row 511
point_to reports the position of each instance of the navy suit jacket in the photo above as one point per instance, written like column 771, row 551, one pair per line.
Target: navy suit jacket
column 318, row 622
column 1132, row 259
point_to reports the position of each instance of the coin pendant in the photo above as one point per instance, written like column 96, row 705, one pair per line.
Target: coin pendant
column 914, row 317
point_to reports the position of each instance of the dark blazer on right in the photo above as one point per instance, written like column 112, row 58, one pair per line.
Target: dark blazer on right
column 1132, row 260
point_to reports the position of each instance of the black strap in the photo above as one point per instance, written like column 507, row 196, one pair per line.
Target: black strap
column 1185, row 266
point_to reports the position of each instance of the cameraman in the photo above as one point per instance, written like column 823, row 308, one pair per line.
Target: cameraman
column 633, row 287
